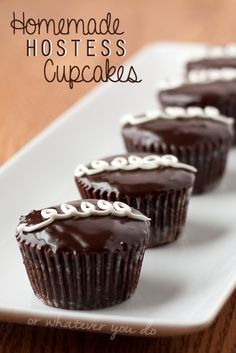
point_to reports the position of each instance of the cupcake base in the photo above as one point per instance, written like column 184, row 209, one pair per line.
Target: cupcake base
column 82, row 281
column 227, row 107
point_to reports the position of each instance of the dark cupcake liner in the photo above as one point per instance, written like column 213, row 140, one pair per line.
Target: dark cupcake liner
column 227, row 107
column 83, row 281
column 209, row 159
column 166, row 210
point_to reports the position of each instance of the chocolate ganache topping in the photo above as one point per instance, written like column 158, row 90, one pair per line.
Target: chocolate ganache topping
column 214, row 57
column 211, row 63
column 84, row 226
column 199, row 94
column 181, row 130
column 137, row 181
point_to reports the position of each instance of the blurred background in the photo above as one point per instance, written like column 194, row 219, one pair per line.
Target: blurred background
column 29, row 103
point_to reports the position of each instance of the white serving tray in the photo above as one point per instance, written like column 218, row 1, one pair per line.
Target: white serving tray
column 182, row 286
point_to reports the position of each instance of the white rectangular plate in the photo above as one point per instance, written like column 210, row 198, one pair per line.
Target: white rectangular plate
column 182, row 286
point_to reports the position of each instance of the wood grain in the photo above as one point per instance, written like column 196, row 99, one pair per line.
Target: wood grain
column 219, row 338
column 28, row 104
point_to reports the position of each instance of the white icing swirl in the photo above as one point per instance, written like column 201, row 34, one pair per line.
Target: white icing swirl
column 223, row 51
column 199, row 76
column 177, row 112
column 133, row 162
column 211, row 75
column 170, row 83
column 216, row 52
column 117, row 209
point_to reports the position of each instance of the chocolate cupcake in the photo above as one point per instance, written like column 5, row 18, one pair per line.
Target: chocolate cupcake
column 196, row 136
column 203, row 88
column 214, row 57
column 83, row 254
column 159, row 187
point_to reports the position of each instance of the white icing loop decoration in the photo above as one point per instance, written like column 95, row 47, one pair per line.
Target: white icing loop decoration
column 169, row 158
column 178, row 112
column 199, row 76
column 104, row 208
column 87, row 209
column 121, row 207
column 170, row 83
column 133, row 162
column 210, row 75
column 119, row 161
column 227, row 51
column 48, row 213
column 68, row 209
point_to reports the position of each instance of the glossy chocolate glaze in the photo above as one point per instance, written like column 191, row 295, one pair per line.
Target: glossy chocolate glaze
column 211, row 63
column 138, row 182
column 179, row 132
column 215, row 93
column 90, row 234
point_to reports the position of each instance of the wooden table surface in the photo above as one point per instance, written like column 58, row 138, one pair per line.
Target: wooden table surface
column 28, row 104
